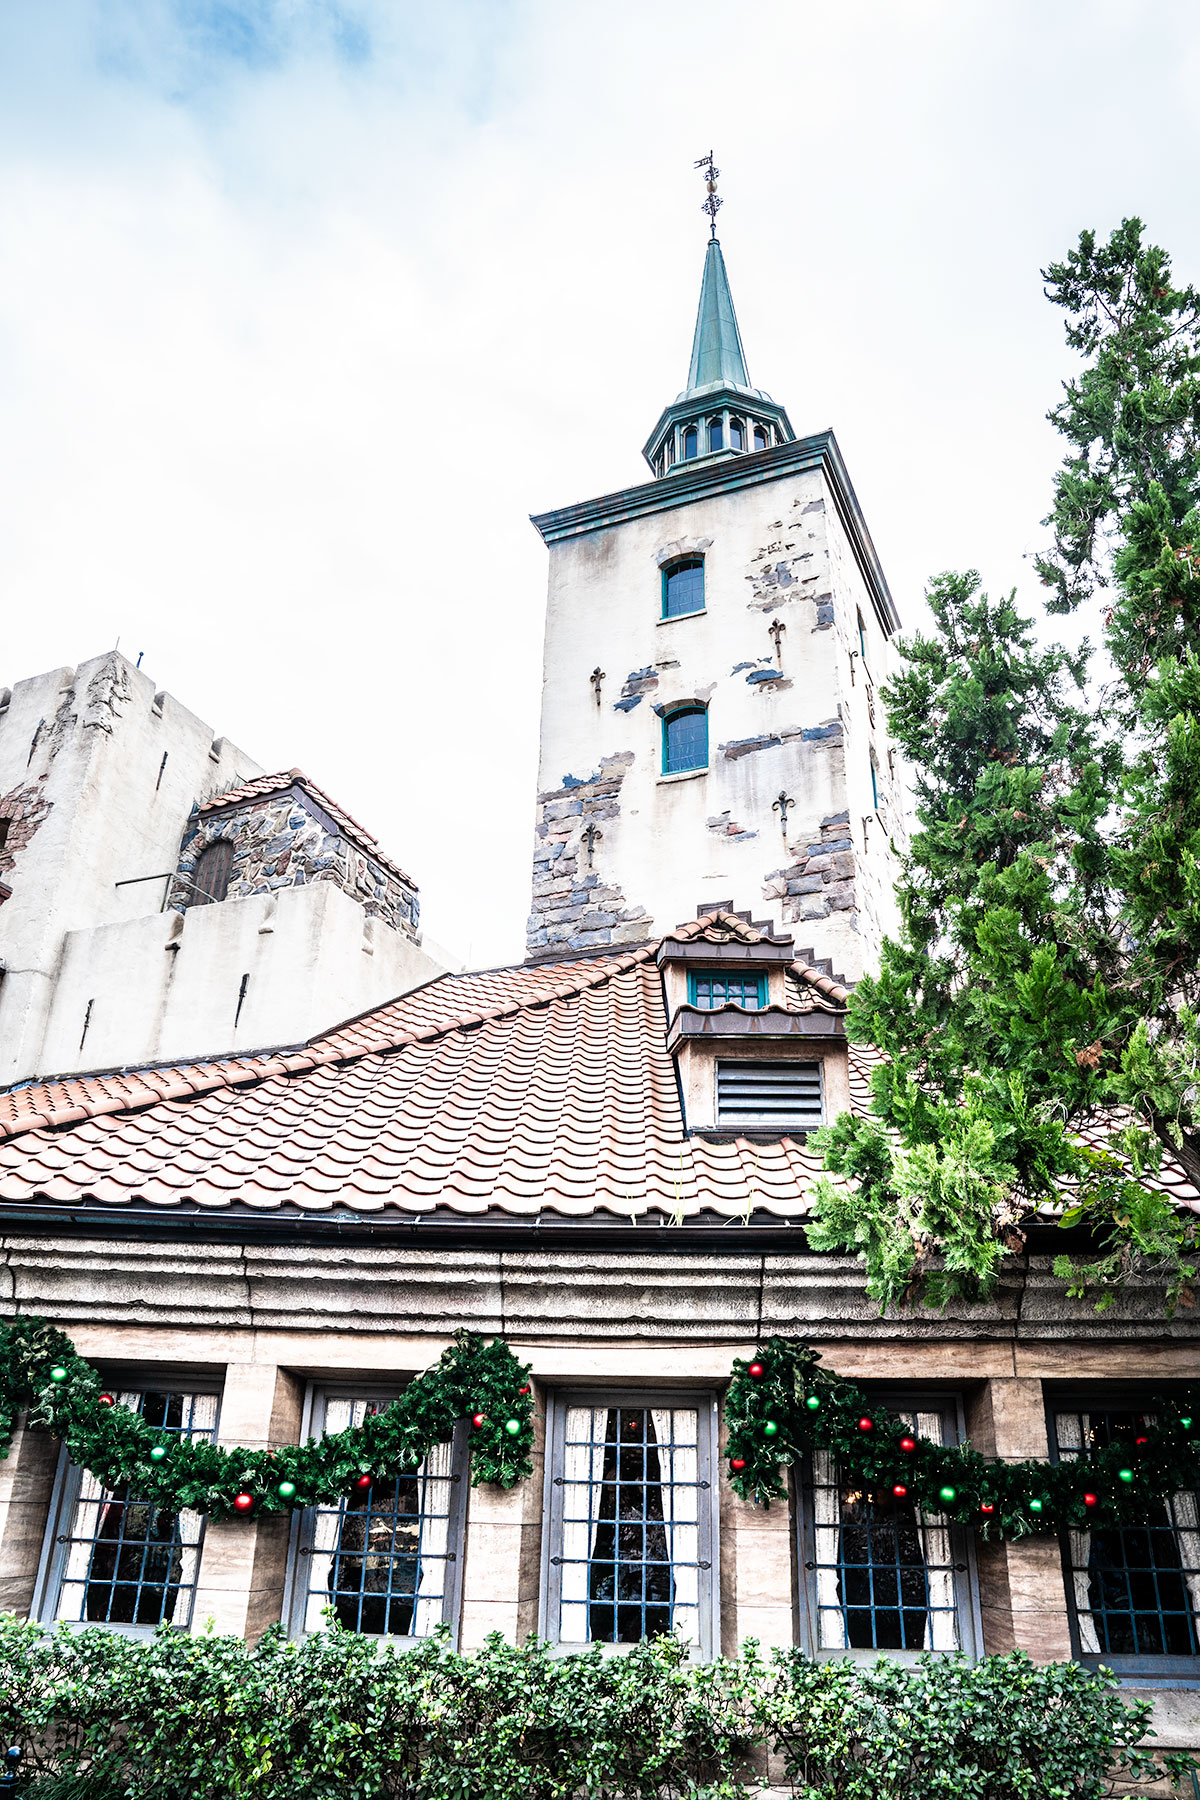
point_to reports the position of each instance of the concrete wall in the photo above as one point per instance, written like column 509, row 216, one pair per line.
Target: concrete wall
column 267, row 1319
column 774, row 553
column 88, row 745
column 167, row 987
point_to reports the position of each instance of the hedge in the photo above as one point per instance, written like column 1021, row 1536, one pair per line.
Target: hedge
column 340, row 1717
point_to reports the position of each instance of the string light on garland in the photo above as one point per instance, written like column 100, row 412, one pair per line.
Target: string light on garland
column 782, row 1403
column 40, row 1370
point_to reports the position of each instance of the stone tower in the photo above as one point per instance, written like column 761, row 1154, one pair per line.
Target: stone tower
column 716, row 638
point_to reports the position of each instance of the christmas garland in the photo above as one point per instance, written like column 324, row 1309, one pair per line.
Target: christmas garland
column 40, row 1369
column 782, row 1403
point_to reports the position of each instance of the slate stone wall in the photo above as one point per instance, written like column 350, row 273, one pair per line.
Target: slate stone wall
column 286, row 840
column 21, row 812
column 821, row 879
column 576, row 907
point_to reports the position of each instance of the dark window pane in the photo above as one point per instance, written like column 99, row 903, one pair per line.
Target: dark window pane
column 211, row 878
column 716, row 434
column 690, row 442
column 760, row 438
column 685, row 741
column 683, row 588
column 736, row 436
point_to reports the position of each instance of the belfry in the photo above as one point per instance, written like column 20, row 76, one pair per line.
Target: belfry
column 715, row 640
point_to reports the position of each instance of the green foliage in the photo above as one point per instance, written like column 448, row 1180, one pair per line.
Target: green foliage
column 341, row 1717
column 808, row 1406
column 470, row 1378
column 1039, row 1014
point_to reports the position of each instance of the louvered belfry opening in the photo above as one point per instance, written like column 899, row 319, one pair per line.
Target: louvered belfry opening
column 765, row 1096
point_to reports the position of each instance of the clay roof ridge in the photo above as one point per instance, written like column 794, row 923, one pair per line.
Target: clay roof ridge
column 824, row 984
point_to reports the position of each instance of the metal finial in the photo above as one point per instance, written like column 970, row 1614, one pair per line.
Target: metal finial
column 713, row 201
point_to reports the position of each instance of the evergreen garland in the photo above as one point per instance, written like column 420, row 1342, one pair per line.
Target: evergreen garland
column 39, row 1369
column 782, row 1403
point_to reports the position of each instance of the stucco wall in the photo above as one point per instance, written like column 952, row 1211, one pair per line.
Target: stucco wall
column 778, row 721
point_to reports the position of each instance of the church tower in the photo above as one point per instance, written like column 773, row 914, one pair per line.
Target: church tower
column 716, row 638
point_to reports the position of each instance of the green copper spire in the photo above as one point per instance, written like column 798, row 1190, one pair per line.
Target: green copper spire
column 717, row 354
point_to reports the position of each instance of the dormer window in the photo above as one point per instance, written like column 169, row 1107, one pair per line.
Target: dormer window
column 210, row 882
column 683, row 587
column 710, row 988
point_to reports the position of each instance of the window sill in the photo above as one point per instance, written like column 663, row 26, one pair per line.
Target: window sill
column 674, row 618
column 683, row 775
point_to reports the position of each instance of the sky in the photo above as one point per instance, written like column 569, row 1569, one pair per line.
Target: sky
column 306, row 305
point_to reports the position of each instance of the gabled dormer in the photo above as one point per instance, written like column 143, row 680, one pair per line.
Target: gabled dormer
column 758, row 1036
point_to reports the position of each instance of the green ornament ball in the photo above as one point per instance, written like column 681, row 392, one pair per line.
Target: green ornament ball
column 158, row 1452
column 1035, row 1506
column 286, row 1489
column 1186, row 1422
column 1124, row 1474
column 770, row 1428
column 58, row 1373
column 948, row 1494
column 812, row 1403
column 512, row 1426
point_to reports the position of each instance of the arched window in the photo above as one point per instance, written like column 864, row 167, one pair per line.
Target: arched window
column 685, row 740
column 716, row 434
column 683, row 587
column 760, row 437
column 737, row 436
column 691, row 443
column 211, row 879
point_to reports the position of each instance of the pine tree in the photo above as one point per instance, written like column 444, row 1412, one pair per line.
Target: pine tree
column 1040, row 1014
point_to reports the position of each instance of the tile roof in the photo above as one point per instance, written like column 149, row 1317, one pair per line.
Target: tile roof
column 263, row 787
column 514, row 1090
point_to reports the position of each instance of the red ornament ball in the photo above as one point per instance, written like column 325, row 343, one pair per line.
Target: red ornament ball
column 866, row 1424
column 364, row 1481
column 243, row 1502
column 737, row 1462
column 900, row 1491
column 908, row 1445
column 986, row 1507
column 1090, row 1500
column 107, row 1400
column 478, row 1419
column 1141, row 1441
column 525, row 1390
column 756, row 1369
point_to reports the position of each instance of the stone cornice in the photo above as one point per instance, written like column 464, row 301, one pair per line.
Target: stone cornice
column 686, row 484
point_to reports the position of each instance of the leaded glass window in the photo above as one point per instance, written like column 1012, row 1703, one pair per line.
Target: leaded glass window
column 385, row 1557
column 631, row 1526
column 709, row 988
column 883, row 1575
column 685, row 740
column 117, row 1559
column 1134, row 1589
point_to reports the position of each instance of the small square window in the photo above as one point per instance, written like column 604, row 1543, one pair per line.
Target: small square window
column 385, row 1559
column 882, row 1576
column 631, row 1544
column 710, row 988
column 683, row 588
column 115, row 1559
column 1133, row 1590
column 769, row 1096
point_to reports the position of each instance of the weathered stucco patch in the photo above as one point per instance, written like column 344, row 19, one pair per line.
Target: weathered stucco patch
column 637, row 684
column 575, row 907
column 22, row 811
column 724, row 825
column 821, row 879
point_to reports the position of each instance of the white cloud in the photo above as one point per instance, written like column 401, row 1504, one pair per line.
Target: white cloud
column 304, row 307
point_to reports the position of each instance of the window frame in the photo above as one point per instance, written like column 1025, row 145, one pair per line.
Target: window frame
column 962, row 1543
column 727, row 974
column 1121, row 1397
column 706, row 1403
column 303, row 1521
column 64, row 1498
column 685, row 708
column 678, row 565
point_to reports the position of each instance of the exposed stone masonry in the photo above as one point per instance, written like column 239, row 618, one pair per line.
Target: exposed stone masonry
column 286, row 840
column 574, row 907
column 821, row 880
column 22, row 810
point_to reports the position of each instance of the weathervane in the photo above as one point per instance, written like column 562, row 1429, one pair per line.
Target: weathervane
column 713, row 201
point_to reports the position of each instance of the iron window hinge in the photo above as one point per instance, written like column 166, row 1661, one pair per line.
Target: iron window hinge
column 810, row 1565
column 704, row 1565
column 555, row 1562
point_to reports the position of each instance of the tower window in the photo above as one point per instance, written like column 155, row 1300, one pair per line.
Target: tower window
column 685, row 740
column 737, row 435
column 716, row 434
column 760, row 437
column 683, row 587
column 211, row 879
column 691, row 443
